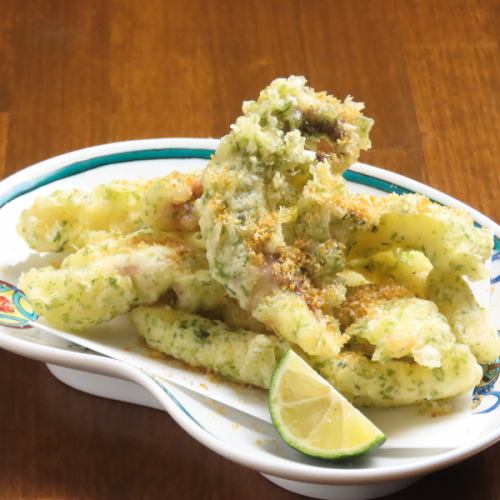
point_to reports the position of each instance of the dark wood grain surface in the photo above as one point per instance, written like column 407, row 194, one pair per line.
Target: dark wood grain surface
column 84, row 72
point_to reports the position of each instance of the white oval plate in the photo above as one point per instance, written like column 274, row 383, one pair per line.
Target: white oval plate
column 234, row 434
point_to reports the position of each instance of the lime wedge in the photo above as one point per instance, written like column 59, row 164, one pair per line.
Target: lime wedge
column 315, row 419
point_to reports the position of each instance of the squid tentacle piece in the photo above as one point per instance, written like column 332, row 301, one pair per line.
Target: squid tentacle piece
column 259, row 245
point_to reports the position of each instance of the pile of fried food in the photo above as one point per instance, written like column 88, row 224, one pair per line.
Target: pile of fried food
column 267, row 248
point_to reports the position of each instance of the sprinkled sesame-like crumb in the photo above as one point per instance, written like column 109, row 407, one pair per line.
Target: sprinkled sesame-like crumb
column 435, row 408
column 360, row 300
column 268, row 443
column 221, row 411
column 213, row 378
column 155, row 355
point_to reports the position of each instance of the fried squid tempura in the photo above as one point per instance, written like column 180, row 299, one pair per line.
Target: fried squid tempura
column 279, row 222
column 240, row 355
column 250, row 358
column 469, row 321
column 445, row 235
column 368, row 289
column 115, row 274
column 249, row 209
column 103, row 280
column 364, row 225
column 68, row 220
column 409, row 268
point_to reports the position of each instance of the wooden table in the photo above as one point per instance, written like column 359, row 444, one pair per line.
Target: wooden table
column 84, row 72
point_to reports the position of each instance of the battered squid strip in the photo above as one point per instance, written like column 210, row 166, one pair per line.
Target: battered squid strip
column 108, row 278
column 469, row 321
column 387, row 322
column 377, row 369
column 288, row 315
column 447, row 236
column 239, row 355
column 68, row 220
column 197, row 291
column 367, row 224
column 450, row 292
column 409, row 268
column 101, row 281
column 397, row 382
column 249, row 208
column 405, row 328
column 250, row 358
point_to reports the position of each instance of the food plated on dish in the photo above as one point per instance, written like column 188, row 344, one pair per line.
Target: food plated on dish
column 268, row 249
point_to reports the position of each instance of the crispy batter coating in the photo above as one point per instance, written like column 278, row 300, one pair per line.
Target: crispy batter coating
column 469, row 321
column 362, row 299
column 260, row 243
column 101, row 281
column 68, row 220
column 406, row 327
column 397, row 382
column 446, row 235
column 238, row 354
column 250, row 358
column 408, row 268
